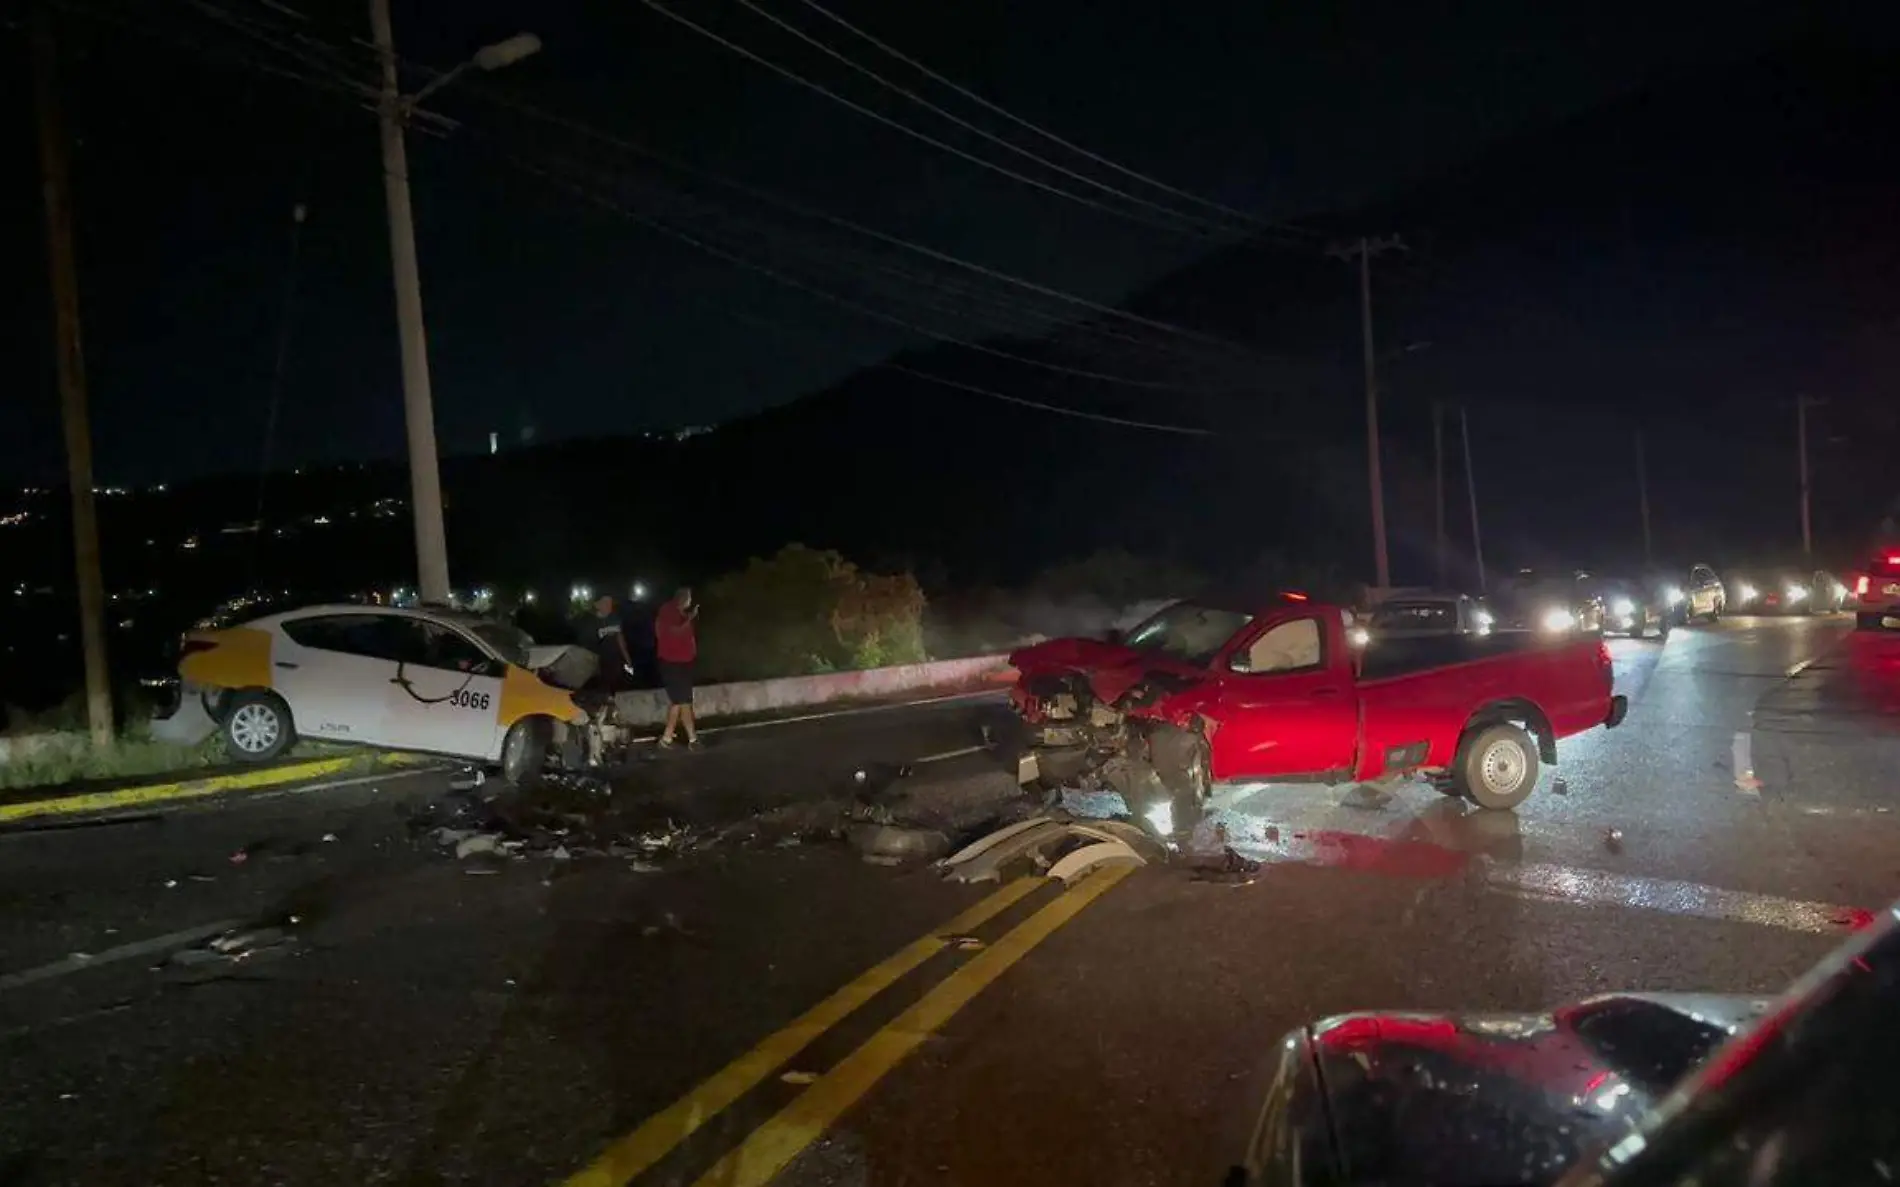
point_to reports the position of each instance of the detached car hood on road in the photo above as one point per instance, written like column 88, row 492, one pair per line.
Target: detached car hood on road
column 1111, row 669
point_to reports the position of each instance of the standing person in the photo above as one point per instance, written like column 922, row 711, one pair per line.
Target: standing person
column 678, row 647
column 609, row 641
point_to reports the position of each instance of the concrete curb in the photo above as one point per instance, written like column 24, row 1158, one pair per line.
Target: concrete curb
column 139, row 795
column 712, row 701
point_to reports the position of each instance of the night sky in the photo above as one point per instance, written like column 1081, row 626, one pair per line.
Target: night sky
column 550, row 312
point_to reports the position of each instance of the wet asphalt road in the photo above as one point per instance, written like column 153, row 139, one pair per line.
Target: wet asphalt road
column 438, row 1026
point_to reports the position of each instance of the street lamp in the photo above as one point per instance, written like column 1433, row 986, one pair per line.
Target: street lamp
column 425, row 479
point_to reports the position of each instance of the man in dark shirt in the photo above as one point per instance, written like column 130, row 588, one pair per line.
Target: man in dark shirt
column 604, row 634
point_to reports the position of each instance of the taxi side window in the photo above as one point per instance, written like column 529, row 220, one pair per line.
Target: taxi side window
column 352, row 634
column 444, row 648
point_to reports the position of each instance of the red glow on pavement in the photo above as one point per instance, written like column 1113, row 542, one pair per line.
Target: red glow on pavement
column 1856, row 918
column 1398, row 859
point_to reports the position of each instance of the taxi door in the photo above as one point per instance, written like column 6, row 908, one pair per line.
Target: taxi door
column 445, row 696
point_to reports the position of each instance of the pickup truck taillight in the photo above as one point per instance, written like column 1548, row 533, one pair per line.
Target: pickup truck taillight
column 1861, row 586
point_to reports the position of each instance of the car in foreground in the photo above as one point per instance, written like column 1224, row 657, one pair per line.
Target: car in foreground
column 437, row 681
column 1875, row 593
column 1214, row 691
column 1621, row 1090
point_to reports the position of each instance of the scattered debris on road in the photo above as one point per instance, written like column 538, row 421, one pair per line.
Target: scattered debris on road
column 1057, row 845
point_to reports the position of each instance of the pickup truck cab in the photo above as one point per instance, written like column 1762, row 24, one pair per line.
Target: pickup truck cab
column 1209, row 692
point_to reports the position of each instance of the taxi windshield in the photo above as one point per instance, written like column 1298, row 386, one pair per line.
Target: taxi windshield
column 1186, row 631
column 505, row 639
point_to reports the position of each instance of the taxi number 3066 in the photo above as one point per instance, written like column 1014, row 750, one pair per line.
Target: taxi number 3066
column 468, row 698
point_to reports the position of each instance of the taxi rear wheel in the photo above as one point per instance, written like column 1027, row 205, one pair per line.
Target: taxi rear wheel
column 257, row 726
column 524, row 752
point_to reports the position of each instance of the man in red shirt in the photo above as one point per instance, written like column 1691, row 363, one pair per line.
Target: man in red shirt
column 677, row 646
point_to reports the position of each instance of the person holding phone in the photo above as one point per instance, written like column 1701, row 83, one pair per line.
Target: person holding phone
column 677, row 646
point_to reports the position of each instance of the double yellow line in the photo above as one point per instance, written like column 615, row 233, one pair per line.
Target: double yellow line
column 773, row 1145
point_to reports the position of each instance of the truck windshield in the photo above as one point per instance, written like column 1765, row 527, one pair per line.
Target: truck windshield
column 1188, row 632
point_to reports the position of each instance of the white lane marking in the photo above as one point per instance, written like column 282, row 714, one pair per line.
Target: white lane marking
column 959, row 752
column 1745, row 780
column 79, row 962
column 1602, row 888
column 827, row 715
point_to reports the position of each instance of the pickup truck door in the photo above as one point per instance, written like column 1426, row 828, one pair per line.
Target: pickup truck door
column 1285, row 702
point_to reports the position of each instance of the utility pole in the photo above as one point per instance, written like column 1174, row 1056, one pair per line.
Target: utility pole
column 56, row 193
column 1642, row 494
column 1438, row 490
column 425, row 479
column 1471, row 495
column 1801, row 406
column 1365, row 249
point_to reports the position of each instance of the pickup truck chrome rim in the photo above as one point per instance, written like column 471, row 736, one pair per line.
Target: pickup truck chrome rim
column 1502, row 767
column 254, row 729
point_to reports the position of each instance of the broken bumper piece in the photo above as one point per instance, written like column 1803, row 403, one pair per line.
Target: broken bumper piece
column 1057, row 846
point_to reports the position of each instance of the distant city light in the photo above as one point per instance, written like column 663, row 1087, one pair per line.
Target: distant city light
column 528, row 597
column 639, row 591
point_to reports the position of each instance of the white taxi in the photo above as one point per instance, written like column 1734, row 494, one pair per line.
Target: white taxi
column 436, row 681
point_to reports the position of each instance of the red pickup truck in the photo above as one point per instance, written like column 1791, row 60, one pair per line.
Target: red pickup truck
column 1211, row 691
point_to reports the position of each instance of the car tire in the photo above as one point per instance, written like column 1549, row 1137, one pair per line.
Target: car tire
column 257, row 726
column 524, row 751
column 1867, row 622
column 1496, row 767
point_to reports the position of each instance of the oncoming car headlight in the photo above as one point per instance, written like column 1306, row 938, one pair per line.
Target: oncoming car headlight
column 1797, row 592
column 1745, row 593
column 1358, row 636
column 1559, row 620
column 1623, row 607
column 1673, row 596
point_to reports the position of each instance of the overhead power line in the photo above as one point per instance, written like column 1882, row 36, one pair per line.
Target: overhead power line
column 1039, row 130
column 899, row 126
column 1218, row 228
column 990, row 393
column 322, row 54
column 738, row 260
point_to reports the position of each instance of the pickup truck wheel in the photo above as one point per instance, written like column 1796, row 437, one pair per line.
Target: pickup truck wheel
column 1867, row 622
column 1497, row 767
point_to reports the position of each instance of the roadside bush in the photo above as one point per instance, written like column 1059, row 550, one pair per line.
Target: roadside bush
column 805, row 611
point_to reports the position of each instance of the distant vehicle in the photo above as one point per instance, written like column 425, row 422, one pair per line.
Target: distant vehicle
column 1876, row 591
column 438, row 681
column 1638, row 609
column 1409, row 614
column 1785, row 590
column 1705, row 597
column 1209, row 692
column 1550, row 604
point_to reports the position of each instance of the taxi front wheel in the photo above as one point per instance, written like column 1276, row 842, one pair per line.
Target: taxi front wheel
column 524, row 752
column 257, row 725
